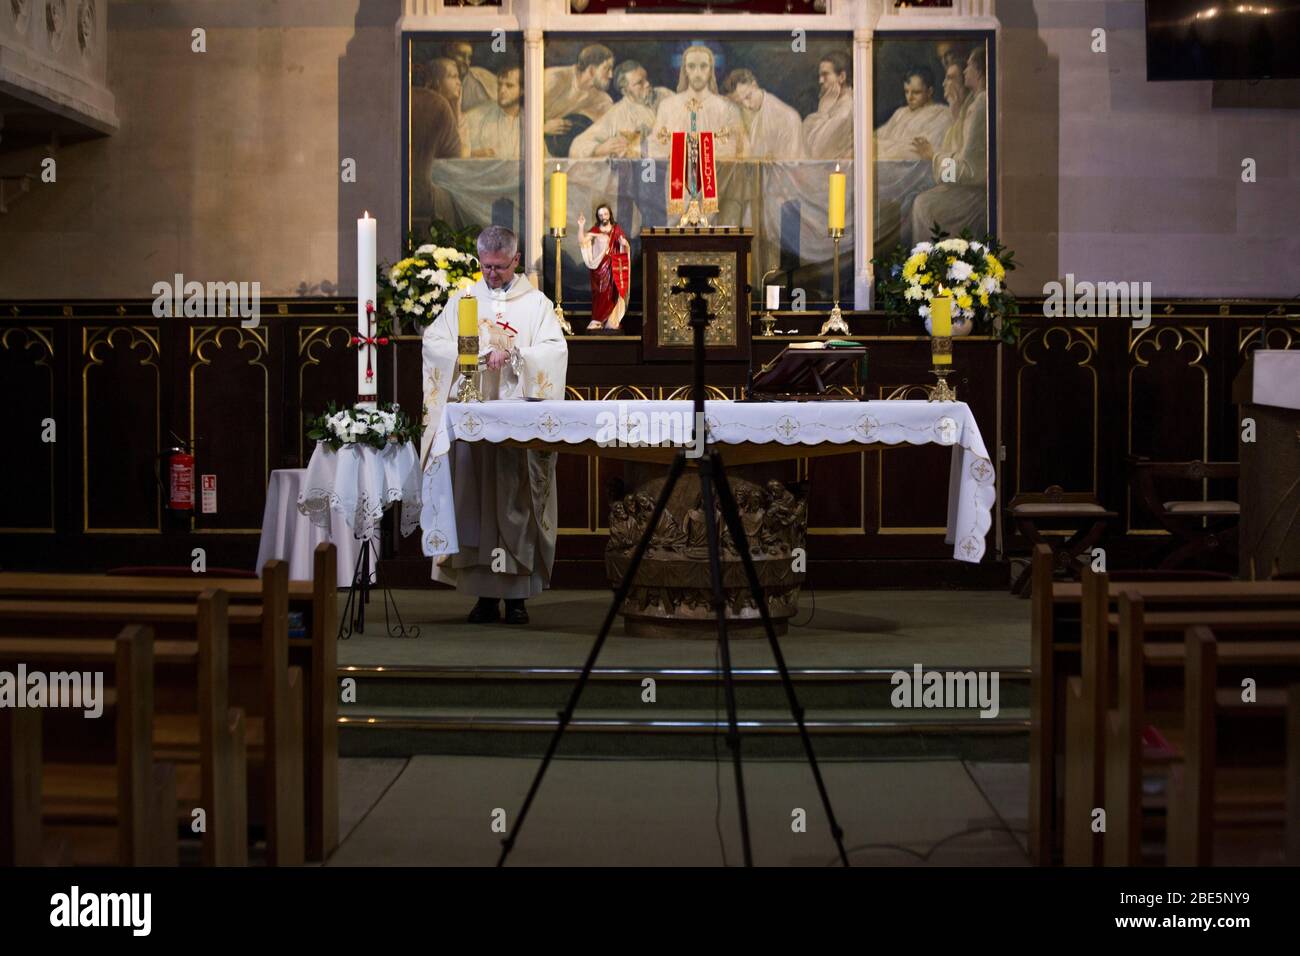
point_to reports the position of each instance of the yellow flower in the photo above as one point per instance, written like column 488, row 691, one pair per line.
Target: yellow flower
column 984, row 298
column 477, row 276
column 995, row 267
column 440, row 263
column 913, row 264
column 964, row 301
column 925, row 279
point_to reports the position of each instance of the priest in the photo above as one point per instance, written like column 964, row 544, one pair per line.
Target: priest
column 504, row 498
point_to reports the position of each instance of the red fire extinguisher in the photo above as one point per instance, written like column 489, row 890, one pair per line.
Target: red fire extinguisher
column 180, row 478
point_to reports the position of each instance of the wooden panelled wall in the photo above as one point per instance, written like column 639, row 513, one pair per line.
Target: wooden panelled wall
column 1077, row 399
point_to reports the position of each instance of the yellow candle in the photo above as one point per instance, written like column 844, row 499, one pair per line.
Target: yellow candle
column 559, row 198
column 941, row 325
column 835, row 212
column 468, row 315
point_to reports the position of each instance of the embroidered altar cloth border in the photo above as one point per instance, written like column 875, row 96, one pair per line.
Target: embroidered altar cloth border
column 971, row 491
column 360, row 482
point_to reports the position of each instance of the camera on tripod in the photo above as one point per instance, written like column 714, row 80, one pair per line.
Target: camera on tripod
column 698, row 279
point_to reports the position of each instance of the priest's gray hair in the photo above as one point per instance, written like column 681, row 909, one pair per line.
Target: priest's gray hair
column 498, row 239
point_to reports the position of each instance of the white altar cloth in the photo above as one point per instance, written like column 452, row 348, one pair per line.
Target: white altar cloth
column 360, row 482
column 290, row 536
column 782, row 429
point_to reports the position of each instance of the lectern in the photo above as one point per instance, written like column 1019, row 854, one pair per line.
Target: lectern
column 1267, row 391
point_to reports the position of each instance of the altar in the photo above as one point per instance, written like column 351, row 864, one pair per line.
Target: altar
column 746, row 434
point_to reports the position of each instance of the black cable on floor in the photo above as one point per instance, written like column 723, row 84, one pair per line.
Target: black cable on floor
column 923, row 857
column 812, row 613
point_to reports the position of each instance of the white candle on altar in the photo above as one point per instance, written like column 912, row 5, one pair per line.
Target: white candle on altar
column 367, row 281
column 773, row 298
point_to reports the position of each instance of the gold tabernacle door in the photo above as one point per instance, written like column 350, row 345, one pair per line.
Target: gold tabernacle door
column 665, row 332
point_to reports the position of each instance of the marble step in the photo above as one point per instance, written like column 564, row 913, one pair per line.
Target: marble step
column 860, row 734
column 818, row 689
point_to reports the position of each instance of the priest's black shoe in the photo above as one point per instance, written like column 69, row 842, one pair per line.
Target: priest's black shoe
column 486, row 611
column 515, row 612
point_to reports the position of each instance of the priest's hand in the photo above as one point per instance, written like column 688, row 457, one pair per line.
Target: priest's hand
column 497, row 359
column 924, row 148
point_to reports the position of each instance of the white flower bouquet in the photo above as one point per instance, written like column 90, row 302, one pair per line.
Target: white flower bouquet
column 973, row 272
column 414, row 290
column 386, row 424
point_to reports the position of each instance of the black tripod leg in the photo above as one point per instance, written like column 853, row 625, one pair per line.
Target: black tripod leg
column 620, row 595
column 714, row 534
column 347, row 626
column 731, row 515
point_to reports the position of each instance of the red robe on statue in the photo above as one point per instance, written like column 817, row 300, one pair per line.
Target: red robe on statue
column 610, row 276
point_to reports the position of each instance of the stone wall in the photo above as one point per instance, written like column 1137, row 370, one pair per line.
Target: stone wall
column 226, row 165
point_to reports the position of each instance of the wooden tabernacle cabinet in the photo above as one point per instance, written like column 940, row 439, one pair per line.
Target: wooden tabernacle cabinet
column 665, row 334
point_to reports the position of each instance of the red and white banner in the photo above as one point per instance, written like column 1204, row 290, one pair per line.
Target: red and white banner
column 677, row 175
column 708, row 173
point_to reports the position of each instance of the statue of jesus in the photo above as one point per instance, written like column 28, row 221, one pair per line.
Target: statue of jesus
column 607, row 253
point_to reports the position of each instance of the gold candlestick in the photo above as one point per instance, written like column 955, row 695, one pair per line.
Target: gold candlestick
column 558, row 234
column 836, row 321
column 471, row 375
column 942, row 392
column 767, row 320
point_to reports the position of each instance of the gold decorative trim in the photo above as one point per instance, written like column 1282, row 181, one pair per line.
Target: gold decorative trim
column 1151, row 337
column 673, row 330
column 204, row 337
column 682, row 393
column 308, row 337
column 37, row 336
column 94, row 338
column 615, row 392
column 906, row 392
column 1081, row 335
column 1245, row 336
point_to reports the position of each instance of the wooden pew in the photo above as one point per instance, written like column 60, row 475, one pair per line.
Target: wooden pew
column 144, row 794
column 1138, row 705
column 317, row 657
column 1087, row 708
column 260, row 680
column 1056, row 614
column 199, row 665
column 1191, row 834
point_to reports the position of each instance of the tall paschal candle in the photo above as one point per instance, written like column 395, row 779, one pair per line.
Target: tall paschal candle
column 367, row 282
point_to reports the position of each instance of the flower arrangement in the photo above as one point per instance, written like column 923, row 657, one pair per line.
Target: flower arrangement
column 386, row 425
column 414, row 289
column 972, row 271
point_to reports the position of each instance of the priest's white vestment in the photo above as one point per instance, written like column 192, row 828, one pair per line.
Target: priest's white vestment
column 504, row 498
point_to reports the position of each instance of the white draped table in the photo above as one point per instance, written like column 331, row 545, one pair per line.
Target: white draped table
column 289, row 535
column 745, row 432
column 355, row 486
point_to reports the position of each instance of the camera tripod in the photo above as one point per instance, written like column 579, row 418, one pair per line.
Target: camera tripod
column 713, row 480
